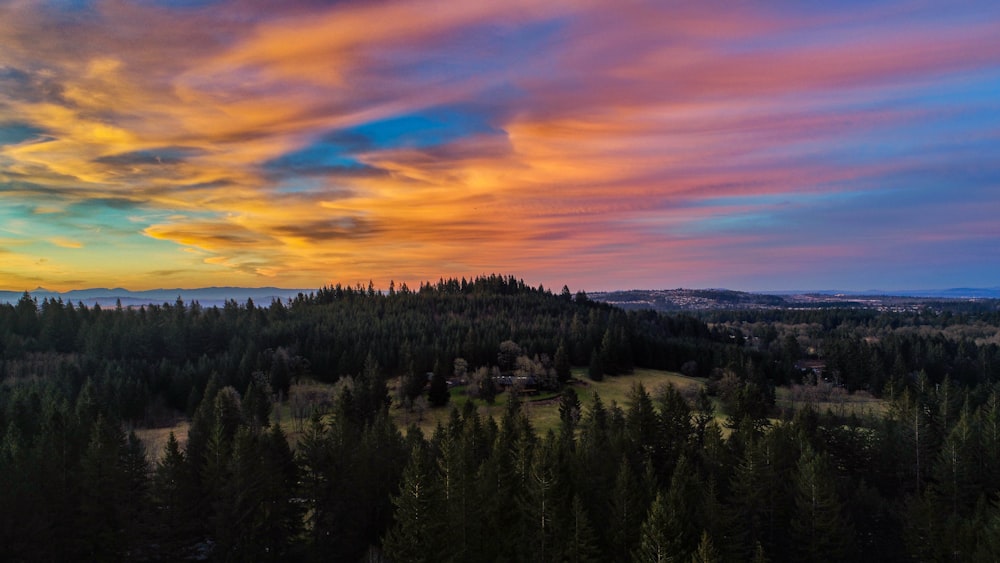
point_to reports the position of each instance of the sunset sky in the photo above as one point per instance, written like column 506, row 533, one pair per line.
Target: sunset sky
column 604, row 145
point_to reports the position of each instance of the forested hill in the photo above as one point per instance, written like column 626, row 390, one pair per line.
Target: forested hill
column 164, row 355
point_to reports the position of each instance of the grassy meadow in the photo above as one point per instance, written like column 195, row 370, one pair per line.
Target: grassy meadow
column 306, row 397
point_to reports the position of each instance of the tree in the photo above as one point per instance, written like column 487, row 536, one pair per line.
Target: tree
column 438, row 393
column 419, row 532
column 674, row 431
column 370, row 392
column 561, row 364
column 257, row 403
column 104, row 490
column 657, row 542
column 595, row 371
column 818, row 527
column 706, row 552
column 569, row 410
column 581, row 540
column 628, row 507
column 173, row 491
column 487, row 386
column 641, row 426
column 507, row 355
column 543, row 499
column 460, row 368
column 228, row 412
column 411, row 386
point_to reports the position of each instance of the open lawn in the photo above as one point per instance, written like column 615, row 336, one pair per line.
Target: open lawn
column 543, row 409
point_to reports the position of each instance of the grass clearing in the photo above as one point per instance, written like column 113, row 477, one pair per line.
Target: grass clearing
column 543, row 409
column 155, row 439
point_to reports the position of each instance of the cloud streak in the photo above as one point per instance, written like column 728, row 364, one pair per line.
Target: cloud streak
column 653, row 144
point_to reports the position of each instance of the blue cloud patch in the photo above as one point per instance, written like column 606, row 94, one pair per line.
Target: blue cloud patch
column 14, row 133
column 424, row 129
column 335, row 153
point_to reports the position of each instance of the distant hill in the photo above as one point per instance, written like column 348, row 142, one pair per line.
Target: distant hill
column 687, row 299
column 715, row 299
column 206, row 296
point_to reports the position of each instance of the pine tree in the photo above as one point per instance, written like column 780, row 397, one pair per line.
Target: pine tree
column 418, row 532
column 135, row 473
column 561, row 364
column 749, row 501
column 706, row 552
column 581, row 540
column 542, row 502
column 280, row 516
column 628, row 508
column 819, row 531
column 173, row 491
column 596, row 370
column 956, row 475
column 569, row 410
column 103, row 492
column 674, row 432
column 657, row 541
column 641, row 426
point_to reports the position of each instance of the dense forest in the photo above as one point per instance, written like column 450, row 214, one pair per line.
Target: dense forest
column 658, row 477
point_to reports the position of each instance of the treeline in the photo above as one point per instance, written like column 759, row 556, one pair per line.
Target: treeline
column 148, row 362
column 873, row 350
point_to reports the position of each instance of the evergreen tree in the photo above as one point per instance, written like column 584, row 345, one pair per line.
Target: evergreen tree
column 279, row 516
column 543, row 503
column 819, row 530
column 103, row 493
column 658, row 543
column 419, row 532
column 569, row 410
column 438, row 393
column 641, row 426
column 581, row 540
column 370, row 391
column 628, row 508
column 257, row 405
column 173, row 493
column 706, row 552
column 596, row 371
column 674, row 430
column 561, row 364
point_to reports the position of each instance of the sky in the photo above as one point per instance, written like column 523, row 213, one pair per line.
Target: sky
column 602, row 145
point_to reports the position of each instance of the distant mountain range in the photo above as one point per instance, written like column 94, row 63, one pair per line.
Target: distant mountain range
column 663, row 300
column 206, row 296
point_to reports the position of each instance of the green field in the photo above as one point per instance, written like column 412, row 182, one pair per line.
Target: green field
column 543, row 409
